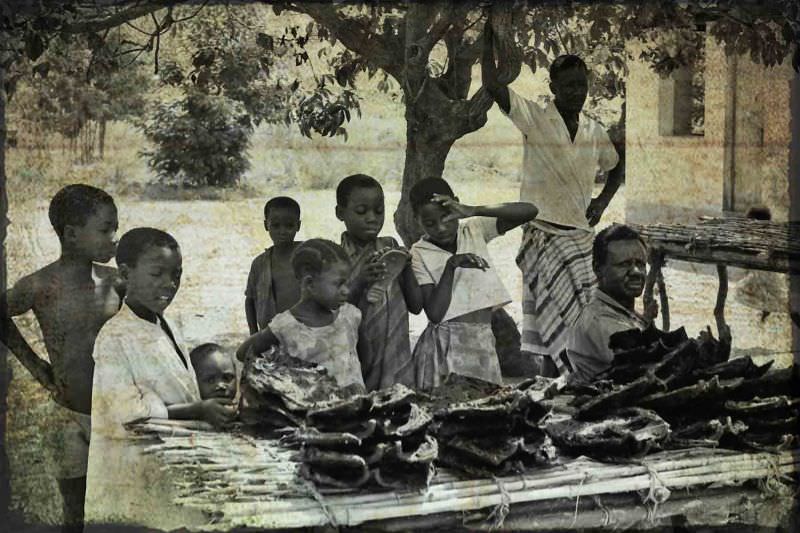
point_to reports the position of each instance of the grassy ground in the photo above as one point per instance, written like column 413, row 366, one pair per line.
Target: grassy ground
column 220, row 232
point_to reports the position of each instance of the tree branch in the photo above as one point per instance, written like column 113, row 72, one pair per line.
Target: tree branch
column 355, row 36
column 118, row 17
column 437, row 31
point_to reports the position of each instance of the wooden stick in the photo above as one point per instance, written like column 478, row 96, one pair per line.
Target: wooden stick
column 261, row 515
column 542, row 479
column 518, row 493
column 662, row 297
column 656, row 259
column 719, row 309
column 615, row 512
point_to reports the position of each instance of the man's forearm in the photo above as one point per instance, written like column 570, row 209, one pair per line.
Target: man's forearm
column 613, row 182
column 515, row 212
column 489, row 77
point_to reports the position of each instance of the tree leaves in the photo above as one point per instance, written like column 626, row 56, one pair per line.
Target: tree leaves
column 322, row 114
column 34, row 45
column 199, row 139
column 42, row 69
column 267, row 42
column 203, row 57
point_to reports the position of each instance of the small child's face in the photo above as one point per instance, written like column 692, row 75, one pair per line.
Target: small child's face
column 441, row 233
column 364, row 213
column 96, row 239
column 153, row 282
column 282, row 224
column 216, row 376
column 330, row 288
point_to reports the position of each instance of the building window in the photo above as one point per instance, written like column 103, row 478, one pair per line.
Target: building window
column 681, row 98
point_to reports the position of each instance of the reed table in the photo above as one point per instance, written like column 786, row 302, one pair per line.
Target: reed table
column 730, row 241
column 238, row 481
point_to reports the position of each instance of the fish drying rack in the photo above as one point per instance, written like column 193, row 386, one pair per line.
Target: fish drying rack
column 729, row 241
column 238, row 481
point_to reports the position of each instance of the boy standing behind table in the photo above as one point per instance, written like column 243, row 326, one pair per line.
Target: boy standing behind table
column 384, row 348
column 141, row 371
column 271, row 285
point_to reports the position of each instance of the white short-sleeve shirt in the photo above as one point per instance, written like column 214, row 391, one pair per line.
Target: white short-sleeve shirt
column 558, row 174
column 473, row 289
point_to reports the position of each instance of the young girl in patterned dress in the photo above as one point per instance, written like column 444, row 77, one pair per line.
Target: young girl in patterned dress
column 322, row 327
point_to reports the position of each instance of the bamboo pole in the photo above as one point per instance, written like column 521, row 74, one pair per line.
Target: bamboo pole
column 359, row 514
column 593, row 471
column 347, row 512
column 617, row 512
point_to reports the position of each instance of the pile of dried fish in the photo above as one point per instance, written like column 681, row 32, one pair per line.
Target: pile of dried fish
column 279, row 390
column 498, row 434
column 686, row 393
column 378, row 439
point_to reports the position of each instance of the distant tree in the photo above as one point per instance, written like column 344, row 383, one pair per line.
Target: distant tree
column 230, row 77
column 76, row 86
column 200, row 136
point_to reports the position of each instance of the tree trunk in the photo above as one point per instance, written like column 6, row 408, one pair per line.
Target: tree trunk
column 5, row 473
column 101, row 141
column 425, row 157
column 434, row 121
column 794, row 204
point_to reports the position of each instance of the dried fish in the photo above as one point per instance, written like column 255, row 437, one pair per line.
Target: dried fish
column 623, row 433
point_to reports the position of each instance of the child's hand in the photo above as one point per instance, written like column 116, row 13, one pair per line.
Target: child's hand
column 456, row 209
column 217, row 411
column 468, row 261
column 374, row 269
column 241, row 351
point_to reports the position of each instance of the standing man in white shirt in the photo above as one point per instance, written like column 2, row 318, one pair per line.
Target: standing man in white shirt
column 564, row 152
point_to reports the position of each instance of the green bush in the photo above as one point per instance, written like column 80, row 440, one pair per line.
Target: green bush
column 200, row 139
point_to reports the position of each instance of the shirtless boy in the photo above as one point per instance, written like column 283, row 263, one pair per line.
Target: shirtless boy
column 271, row 285
column 71, row 298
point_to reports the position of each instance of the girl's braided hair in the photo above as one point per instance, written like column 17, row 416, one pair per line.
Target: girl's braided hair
column 314, row 255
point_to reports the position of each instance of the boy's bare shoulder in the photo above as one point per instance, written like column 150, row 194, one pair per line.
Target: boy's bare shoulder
column 260, row 258
column 24, row 294
column 39, row 279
